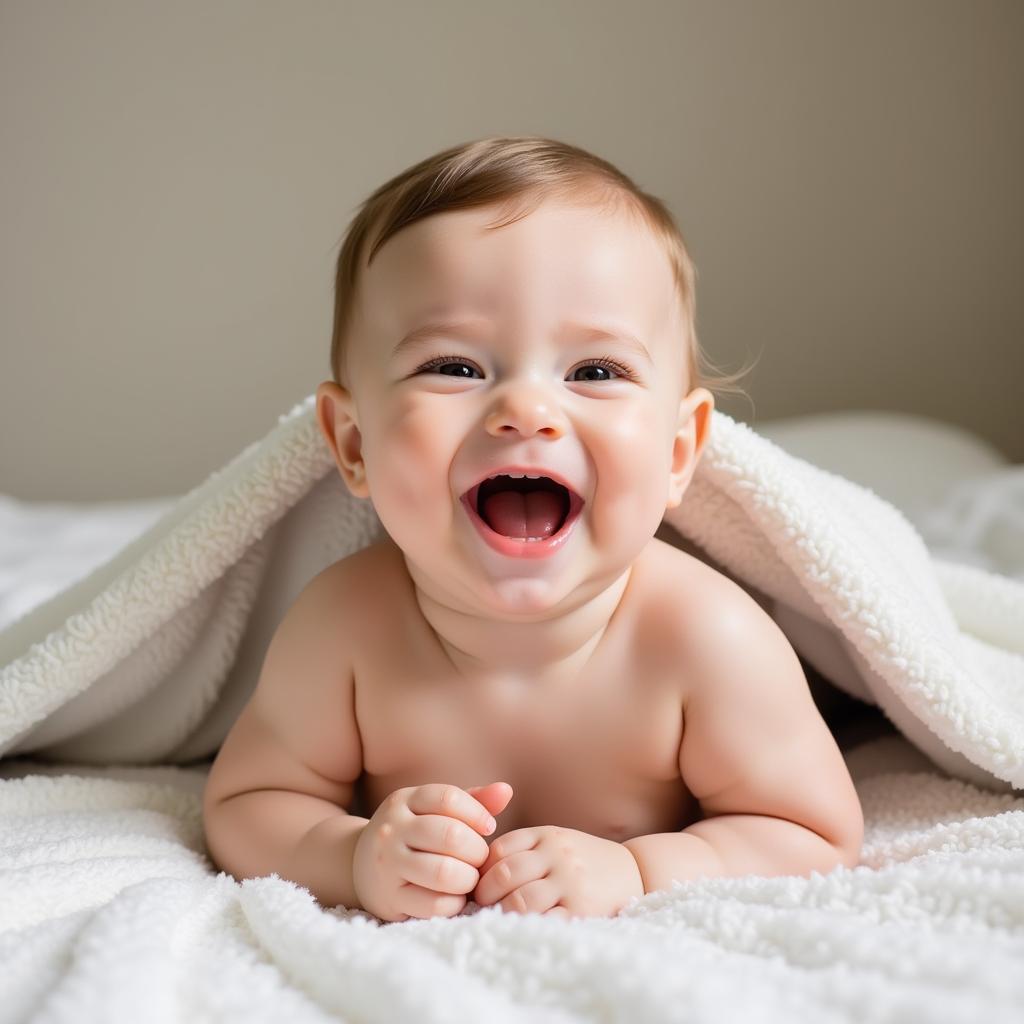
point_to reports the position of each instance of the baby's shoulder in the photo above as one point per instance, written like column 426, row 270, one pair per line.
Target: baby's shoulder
column 680, row 576
column 353, row 582
column 694, row 604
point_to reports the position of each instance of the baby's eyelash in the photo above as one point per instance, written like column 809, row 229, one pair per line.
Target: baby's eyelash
column 611, row 364
column 440, row 360
column 619, row 368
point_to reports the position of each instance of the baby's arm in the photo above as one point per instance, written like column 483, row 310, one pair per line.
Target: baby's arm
column 277, row 793
column 776, row 795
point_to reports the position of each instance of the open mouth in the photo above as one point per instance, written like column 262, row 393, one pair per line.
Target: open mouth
column 523, row 516
column 522, row 508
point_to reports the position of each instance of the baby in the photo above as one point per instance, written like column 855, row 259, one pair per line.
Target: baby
column 515, row 388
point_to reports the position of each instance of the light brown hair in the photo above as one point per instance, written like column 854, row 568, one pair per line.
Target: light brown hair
column 517, row 174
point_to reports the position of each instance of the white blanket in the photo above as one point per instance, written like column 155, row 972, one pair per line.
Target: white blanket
column 109, row 911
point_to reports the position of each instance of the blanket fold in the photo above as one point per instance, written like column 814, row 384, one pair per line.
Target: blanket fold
column 149, row 659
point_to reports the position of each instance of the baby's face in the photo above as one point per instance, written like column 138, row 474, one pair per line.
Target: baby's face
column 525, row 378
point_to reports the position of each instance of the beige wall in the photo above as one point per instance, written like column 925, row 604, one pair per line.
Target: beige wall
column 176, row 179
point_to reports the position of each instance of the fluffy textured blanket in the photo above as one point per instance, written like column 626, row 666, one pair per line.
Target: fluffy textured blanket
column 109, row 911
column 111, row 914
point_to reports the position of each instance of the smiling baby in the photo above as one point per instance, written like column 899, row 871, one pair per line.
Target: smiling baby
column 521, row 696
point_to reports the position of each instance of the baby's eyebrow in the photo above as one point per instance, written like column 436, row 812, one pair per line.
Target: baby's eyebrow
column 419, row 334
column 593, row 332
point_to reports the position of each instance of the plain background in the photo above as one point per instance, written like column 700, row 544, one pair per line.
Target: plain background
column 177, row 178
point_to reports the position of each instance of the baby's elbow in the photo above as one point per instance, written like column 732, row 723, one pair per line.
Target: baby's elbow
column 852, row 847
column 842, row 824
column 848, row 855
column 847, row 839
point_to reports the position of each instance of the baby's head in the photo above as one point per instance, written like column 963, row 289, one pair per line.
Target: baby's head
column 515, row 303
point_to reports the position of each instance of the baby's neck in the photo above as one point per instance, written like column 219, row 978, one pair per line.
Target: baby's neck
column 547, row 652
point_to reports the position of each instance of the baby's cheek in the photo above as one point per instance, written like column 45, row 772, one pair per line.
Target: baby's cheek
column 414, row 457
column 632, row 479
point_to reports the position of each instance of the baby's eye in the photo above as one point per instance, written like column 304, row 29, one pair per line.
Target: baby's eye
column 442, row 363
column 609, row 365
column 445, row 361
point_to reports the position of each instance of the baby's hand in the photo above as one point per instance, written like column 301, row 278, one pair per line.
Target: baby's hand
column 558, row 871
column 419, row 853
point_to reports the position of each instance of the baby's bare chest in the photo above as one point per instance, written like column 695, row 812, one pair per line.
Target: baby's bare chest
column 599, row 753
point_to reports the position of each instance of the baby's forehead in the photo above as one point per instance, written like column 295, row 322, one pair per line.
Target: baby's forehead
column 580, row 255
column 548, row 221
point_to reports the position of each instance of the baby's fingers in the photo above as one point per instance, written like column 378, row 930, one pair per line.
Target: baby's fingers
column 416, row 901
column 439, row 873
column 452, row 802
column 433, row 833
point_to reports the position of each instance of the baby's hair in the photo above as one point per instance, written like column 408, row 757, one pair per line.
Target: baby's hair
column 517, row 174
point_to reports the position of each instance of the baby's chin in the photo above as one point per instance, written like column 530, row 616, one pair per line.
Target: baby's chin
column 527, row 596
column 468, row 571
column 465, row 579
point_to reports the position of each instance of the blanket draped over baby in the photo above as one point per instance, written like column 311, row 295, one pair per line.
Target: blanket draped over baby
column 150, row 658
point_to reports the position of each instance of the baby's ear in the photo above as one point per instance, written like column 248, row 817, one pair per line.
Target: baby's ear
column 335, row 415
column 692, row 431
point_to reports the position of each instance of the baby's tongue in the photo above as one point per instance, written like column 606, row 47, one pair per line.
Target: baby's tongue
column 529, row 514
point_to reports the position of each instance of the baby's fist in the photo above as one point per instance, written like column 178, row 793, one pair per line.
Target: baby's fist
column 418, row 855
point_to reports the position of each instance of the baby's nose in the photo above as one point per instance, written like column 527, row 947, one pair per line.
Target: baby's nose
column 528, row 411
